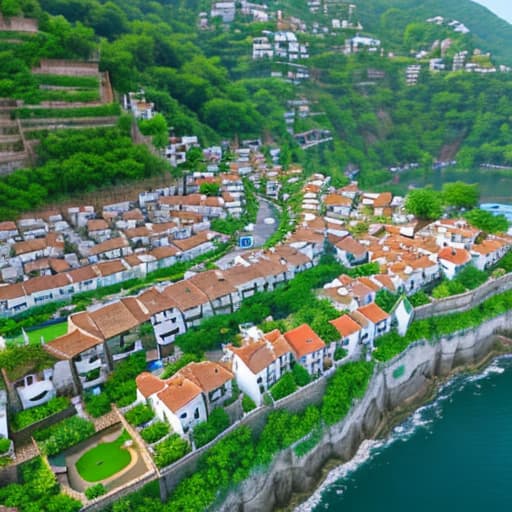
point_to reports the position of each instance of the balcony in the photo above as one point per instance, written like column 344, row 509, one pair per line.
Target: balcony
column 89, row 364
column 36, row 393
column 93, row 378
column 127, row 351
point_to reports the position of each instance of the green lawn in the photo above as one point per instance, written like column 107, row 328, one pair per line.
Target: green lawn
column 49, row 333
column 104, row 460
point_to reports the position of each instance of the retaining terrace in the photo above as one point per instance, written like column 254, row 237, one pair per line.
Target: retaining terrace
column 464, row 301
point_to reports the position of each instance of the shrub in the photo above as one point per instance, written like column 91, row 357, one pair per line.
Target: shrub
column 340, row 353
column 447, row 289
column 120, row 386
column 217, row 422
column 155, row 432
column 470, row 277
column 64, row 434
column 95, row 491
column 284, row 428
column 97, row 405
column 248, row 404
column 37, row 491
column 283, row 387
column 386, row 300
column 139, row 414
column 300, row 375
column 170, row 450
column 348, row 382
column 419, row 299
column 29, row 416
column 308, row 444
column 5, row 445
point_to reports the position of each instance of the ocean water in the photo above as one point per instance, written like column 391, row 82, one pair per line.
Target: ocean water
column 453, row 454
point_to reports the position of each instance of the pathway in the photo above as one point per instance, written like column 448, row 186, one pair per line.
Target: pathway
column 262, row 231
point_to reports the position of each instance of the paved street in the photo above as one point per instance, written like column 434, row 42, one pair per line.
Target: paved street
column 261, row 232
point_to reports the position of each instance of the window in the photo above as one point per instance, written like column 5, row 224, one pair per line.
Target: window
column 196, row 413
column 259, row 381
column 183, row 415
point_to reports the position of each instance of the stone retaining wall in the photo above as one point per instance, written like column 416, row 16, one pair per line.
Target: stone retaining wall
column 464, row 301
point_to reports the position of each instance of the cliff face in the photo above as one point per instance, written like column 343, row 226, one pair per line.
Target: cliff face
column 406, row 379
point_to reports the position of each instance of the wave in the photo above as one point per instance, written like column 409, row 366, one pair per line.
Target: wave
column 422, row 418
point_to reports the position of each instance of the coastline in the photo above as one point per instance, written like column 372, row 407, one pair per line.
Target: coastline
column 402, row 412
column 290, row 480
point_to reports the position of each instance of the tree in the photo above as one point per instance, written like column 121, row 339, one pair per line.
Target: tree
column 424, row 203
column 10, row 8
column 487, row 221
column 209, row 189
column 461, row 195
column 157, row 127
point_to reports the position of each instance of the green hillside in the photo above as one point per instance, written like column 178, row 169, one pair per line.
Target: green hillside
column 205, row 82
column 388, row 18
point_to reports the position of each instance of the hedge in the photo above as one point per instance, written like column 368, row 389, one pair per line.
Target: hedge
column 154, row 432
column 27, row 417
column 139, row 414
column 283, row 387
column 217, row 422
column 113, row 109
column 434, row 328
column 63, row 435
column 170, row 450
column 38, row 491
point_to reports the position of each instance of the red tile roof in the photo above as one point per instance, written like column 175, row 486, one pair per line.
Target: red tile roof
column 148, row 384
column 303, row 340
column 345, row 325
column 455, row 256
column 373, row 312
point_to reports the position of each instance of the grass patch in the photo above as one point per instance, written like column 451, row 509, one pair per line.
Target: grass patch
column 48, row 333
column 68, row 81
column 104, row 460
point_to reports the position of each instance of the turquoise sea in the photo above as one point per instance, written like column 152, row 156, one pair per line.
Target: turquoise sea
column 454, row 454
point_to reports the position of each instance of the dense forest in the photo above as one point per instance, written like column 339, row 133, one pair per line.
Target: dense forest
column 205, row 82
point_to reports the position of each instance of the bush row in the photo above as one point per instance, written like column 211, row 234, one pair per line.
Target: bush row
column 432, row 329
column 64, row 434
column 27, row 417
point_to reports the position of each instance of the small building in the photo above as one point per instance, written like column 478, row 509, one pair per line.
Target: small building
column 350, row 332
column 453, row 260
column 308, row 348
column 350, row 252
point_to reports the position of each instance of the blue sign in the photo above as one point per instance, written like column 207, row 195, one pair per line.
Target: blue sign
column 246, row 242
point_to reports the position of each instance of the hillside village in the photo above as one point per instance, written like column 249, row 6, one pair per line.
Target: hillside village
column 405, row 257
column 129, row 292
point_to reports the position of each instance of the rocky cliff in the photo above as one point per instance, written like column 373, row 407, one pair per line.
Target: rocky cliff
column 398, row 384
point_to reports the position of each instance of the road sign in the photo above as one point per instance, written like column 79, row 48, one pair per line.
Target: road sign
column 246, row 242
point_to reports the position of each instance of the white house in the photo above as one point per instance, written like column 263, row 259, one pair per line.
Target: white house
column 307, row 347
column 85, row 353
column 488, row 252
column 453, row 260
column 260, row 363
column 177, row 401
column 380, row 320
column 350, row 252
column 350, row 332
column 214, row 379
column 166, row 318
